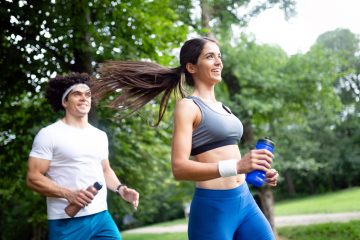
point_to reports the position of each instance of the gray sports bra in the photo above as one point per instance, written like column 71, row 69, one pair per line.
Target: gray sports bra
column 215, row 129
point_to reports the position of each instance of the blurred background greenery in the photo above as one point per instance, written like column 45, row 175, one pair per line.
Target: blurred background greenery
column 308, row 103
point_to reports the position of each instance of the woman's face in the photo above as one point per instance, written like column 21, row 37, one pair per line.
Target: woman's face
column 209, row 65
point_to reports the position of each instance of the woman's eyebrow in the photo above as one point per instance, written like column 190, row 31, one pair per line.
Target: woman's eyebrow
column 212, row 53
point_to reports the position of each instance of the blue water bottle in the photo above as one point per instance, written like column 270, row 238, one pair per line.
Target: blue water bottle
column 257, row 177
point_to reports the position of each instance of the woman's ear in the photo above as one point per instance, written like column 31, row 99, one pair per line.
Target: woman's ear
column 191, row 68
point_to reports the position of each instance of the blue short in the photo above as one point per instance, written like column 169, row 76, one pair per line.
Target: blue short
column 96, row 226
column 227, row 215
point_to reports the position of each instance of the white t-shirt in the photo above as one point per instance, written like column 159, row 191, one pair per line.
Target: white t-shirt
column 75, row 156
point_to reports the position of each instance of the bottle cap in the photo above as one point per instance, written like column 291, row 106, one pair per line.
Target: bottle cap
column 98, row 185
column 267, row 140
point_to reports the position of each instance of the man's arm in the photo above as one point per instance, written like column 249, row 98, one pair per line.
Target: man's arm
column 37, row 181
column 112, row 182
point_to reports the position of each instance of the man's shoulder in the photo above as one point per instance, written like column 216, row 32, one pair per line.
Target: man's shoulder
column 96, row 129
column 51, row 127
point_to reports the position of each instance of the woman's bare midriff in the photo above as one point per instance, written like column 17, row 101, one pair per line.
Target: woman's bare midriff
column 216, row 155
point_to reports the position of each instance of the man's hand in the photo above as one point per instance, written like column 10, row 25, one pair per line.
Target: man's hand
column 82, row 198
column 130, row 195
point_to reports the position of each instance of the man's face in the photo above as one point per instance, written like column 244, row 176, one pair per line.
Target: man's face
column 78, row 101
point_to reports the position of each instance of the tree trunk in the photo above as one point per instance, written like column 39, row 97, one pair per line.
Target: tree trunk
column 267, row 206
column 311, row 185
column 81, row 37
column 248, row 135
column 81, row 45
column 290, row 183
column 330, row 182
column 39, row 232
column 206, row 17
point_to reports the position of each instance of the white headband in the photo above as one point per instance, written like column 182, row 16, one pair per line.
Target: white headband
column 71, row 88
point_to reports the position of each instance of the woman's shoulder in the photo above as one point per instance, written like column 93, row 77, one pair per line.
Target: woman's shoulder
column 186, row 103
column 186, row 106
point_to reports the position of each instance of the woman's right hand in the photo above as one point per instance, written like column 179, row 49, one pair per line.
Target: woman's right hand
column 256, row 159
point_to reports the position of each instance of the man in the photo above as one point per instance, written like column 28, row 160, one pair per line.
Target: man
column 66, row 158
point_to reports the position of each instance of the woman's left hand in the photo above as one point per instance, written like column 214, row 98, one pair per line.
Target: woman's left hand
column 271, row 177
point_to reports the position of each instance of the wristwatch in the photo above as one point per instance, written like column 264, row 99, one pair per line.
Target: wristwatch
column 119, row 187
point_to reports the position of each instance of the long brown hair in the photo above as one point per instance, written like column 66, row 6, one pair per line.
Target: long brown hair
column 139, row 82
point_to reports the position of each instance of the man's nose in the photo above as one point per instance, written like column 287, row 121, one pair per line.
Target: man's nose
column 83, row 97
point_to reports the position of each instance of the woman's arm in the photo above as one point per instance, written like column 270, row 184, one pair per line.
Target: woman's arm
column 183, row 168
column 186, row 114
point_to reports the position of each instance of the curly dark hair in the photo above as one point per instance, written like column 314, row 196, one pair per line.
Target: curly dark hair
column 58, row 85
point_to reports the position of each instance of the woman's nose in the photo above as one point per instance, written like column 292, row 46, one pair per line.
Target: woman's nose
column 218, row 61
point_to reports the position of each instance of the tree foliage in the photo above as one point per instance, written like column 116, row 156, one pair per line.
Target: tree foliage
column 298, row 101
column 308, row 103
column 40, row 39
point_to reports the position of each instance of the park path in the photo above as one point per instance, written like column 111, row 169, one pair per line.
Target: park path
column 280, row 221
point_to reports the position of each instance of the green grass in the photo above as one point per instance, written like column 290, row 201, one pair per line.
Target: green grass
column 328, row 231
column 162, row 236
column 170, row 223
column 340, row 201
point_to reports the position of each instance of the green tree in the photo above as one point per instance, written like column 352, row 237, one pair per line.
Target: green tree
column 40, row 39
column 217, row 17
column 279, row 96
column 345, row 45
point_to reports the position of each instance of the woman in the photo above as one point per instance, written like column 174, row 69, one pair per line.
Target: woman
column 222, row 206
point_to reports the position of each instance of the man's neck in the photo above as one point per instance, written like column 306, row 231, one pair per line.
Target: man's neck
column 78, row 122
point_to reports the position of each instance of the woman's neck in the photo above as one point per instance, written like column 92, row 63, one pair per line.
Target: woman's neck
column 206, row 96
column 205, row 92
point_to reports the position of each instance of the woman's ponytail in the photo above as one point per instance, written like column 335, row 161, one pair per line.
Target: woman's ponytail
column 138, row 83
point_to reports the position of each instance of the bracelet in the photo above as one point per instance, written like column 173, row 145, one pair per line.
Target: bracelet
column 118, row 188
column 228, row 168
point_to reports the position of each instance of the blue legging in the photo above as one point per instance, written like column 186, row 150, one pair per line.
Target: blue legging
column 95, row 226
column 227, row 215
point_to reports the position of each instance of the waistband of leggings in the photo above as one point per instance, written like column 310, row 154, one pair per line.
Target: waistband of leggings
column 222, row 193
